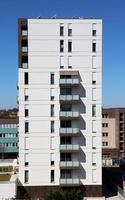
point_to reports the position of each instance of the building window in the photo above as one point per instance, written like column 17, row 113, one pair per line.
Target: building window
column 26, row 127
column 94, row 142
column 104, row 125
column 52, row 159
column 93, row 158
column 105, row 115
column 94, row 94
column 24, row 62
column 94, row 175
column 26, row 176
column 26, row 78
column 52, row 176
column 94, row 62
column 70, row 62
column 104, row 144
column 26, row 112
column 52, row 94
column 94, row 126
column 93, row 78
column 105, row 134
column 61, row 29
column 26, row 159
column 52, row 78
column 93, row 110
column 61, row 62
column 66, row 173
column 52, row 110
column 61, row 45
column 69, row 46
column 52, row 126
column 94, row 46
column 69, row 29
column 94, row 29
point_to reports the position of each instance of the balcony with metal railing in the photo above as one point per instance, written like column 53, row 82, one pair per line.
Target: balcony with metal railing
column 69, row 147
column 69, row 114
column 69, row 81
column 69, row 164
column 69, row 98
column 69, row 181
column 69, row 131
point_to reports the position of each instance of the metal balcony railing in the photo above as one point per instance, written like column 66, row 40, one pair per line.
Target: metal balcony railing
column 69, row 181
column 69, row 114
column 69, row 98
column 69, row 147
column 69, row 163
column 69, row 130
column 70, row 81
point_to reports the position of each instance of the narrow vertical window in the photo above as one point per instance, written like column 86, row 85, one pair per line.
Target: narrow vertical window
column 52, row 176
column 94, row 46
column 94, row 62
column 26, row 176
column 26, row 127
column 52, row 110
column 93, row 158
column 94, row 29
column 94, row 175
column 52, row 158
column 26, row 78
column 52, row 127
column 26, row 159
column 61, row 29
column 52, row 145
column 93, row 110
column 70, row 62
column 69, row 46
column 52, row 78
column 93, row 78
column 61, row 61
column 61, row 45
column 69, row 29
column 26, row 110
column 94, row 142
column 52, row 94
column 94, row 126
column 26, row 95
column 94, row 94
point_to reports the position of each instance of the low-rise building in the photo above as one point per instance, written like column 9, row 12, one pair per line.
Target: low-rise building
column 8, row 138
column 113, row 132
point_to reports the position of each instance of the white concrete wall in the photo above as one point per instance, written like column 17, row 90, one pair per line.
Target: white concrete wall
column 44, row 58
column 7, row 189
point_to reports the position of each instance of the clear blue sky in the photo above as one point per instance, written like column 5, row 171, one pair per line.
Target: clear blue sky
column 111, row 11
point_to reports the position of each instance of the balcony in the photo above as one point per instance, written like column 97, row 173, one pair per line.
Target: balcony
column 69, row 82
column 69, row 114
column 24, row 49
column 69, row 131
column 69, row 181
column 69, row 164
column 69, row 98
column 69, row 147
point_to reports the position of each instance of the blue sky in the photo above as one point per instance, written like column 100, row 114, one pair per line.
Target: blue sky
column 111, row 11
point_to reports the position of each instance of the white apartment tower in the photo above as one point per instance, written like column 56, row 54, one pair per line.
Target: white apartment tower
column 60, row 67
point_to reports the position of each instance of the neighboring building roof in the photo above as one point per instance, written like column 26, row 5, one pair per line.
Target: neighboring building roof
column 9, row 121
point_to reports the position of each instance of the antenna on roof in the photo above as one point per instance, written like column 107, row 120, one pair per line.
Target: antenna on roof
column 54, row 17
column 39, row 17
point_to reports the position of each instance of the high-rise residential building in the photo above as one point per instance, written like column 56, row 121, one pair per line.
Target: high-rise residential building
column 8, row 138
column 113, row 132
column 60, row 136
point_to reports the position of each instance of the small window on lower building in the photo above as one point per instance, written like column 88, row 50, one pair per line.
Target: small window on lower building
column 26, row 176
column 52, row 176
